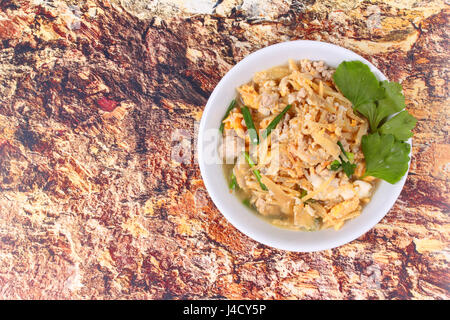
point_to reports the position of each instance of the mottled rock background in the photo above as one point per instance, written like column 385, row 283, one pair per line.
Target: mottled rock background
column 94, row 201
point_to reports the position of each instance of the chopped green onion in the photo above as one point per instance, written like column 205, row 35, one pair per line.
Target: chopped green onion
column 246, row 203
column 275, row 121
column 227, row 113
column 335, row 165
column 347, row 166
column 318, row 222
column 350, row 156
column 255, row 171
column 233, row 182
column 341, row 146
column 250, row 125
column 303, row 193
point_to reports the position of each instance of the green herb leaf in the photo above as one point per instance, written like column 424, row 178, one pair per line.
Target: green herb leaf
column 227, row 113
column 369, row 110
column 348, row 168
column 385, row 157
column 250, row 125
column 255, row 171
column 335, row 165
column 357, row 83
column 275, row 121
column 399, row 126
column 393, row 101
column 373, row 99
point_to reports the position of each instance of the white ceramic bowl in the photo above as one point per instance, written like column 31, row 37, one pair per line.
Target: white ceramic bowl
column 242, row 217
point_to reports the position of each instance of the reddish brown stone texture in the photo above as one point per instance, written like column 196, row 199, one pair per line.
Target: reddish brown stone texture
column 92, row 204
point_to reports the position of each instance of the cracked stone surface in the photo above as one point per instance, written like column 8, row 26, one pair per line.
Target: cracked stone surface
column 93, row 203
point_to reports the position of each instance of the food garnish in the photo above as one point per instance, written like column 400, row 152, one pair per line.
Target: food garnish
column 255, row 171
column 385, row 152
column 227, row 113
column 250, row 125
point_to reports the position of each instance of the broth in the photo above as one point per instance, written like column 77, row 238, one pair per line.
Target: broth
column 279, row 220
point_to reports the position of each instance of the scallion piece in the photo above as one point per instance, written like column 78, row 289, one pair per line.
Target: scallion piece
column 250, row 125
column 347, row 166
column 303, row 193
column 255, row 171
column 227, row 113
column 246, row 202
column 233, row 182
column 350, row 156
column 275, row 121
column 335, row 165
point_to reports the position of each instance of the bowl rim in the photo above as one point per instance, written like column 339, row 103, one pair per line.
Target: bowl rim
column 222, row 207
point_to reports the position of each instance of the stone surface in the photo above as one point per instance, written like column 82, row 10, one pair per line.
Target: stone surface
column 94, row 203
